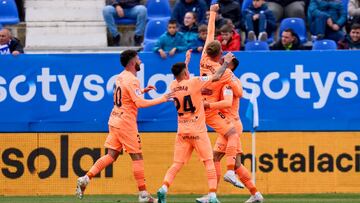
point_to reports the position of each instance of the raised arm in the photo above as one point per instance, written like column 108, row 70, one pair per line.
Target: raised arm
column 188, row 57
column 219, row 73
column 211, row 25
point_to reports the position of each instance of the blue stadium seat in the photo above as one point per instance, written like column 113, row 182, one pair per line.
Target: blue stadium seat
column 8, row 12
column 157, row 9
column 154, row 29
column 256, row 46
column 125, row 21
column 325, row 44
column 149, row 46
column 1, row 26
column 246, row 4
column 297, row 24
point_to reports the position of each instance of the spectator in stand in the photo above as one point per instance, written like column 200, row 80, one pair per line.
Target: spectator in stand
column 128, row 9
column 231, row 9
column 287, row 9
column 289, row 41
column 189, row 28
column 352, row 40
column 198, row 45
column 354, row 13
column 9, row 44
column 183, row 6
column 230, row 40
column 259, row 21
column 171, row 41
column 326, row 19
column 219, row 21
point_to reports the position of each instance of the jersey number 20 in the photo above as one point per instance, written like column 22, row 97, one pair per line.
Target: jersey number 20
column 117, row 97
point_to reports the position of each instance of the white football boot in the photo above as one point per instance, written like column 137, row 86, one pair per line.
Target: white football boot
column 256, row 198
column 82, row 182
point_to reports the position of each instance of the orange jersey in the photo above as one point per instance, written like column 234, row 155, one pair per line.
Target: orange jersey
column 127, row 91
column 236, row 87
column 209, row 67
column 189, row 104
column 127, row 99
column 229, row 99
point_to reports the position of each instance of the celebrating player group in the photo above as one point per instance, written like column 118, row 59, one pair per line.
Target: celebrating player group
column 211, row 98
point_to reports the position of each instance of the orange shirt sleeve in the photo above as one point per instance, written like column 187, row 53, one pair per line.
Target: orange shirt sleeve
column 136, row 95
column 210, row 30
column 237, row 87
column 227, row 100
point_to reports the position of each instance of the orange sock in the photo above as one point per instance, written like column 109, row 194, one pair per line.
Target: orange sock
column 231, row 151
column 218, row 170
column 245, row 178
column 99, row 165
column 171, row 173
column 139, row 174
column 211, row 174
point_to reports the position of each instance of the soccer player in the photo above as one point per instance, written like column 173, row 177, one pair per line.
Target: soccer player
column 229, row 106
column 192, row 131
column 123, row 132
column 209, row 64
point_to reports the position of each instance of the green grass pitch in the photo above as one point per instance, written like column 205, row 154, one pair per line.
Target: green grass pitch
column 305, row 198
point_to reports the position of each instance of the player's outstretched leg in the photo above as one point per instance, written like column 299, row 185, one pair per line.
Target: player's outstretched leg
column 99, row 165
column 82, row 182
column 257, row 197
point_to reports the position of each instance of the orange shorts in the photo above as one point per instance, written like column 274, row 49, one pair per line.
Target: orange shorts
column 117, row 139
column 221, row 141
column 186, row 143
column 219, row 122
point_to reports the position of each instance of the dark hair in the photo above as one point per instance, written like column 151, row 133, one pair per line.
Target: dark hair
column 226, row 28
column 213, row 48
column 172, row 22
column 235, row 62
column 194, row 15
column 178, row 68
column 291, row 31
column 202, row 28
column 126, row 56
column 355, row 26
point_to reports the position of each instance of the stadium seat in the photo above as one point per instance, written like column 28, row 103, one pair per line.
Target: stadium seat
column 325, row 44
column 8, row 12
column 1, row 26
column 246, row 4
column 158, row 9
column 256, row 46
column 297, row 24
column 125, row 21
column 149, row 46
column 154, row 29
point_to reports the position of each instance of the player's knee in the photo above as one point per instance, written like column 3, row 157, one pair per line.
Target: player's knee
column 231, row 132
column 113, row 153
column 136, row 156
column 218, row 156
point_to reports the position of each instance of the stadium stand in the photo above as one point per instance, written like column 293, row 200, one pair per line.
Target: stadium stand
column 125, row 21
column 256, row 46
column 325, row 44
column 52, row 25
column 297, row 24
column 8, row 12
column 158, row 9
column 149, row 46
column 154, row 29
